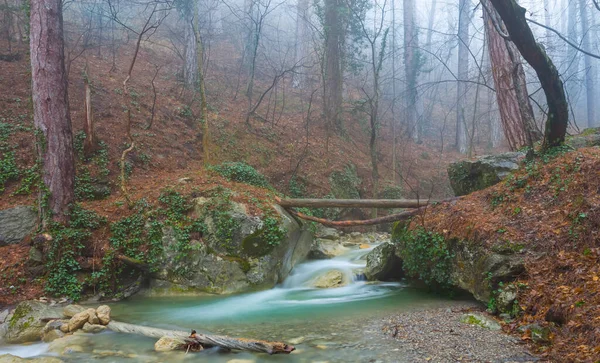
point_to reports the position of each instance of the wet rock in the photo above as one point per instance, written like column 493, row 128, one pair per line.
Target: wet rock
column 468, row 176
column 480, row 320
column 241, row 361
column 295, row 341
column 78, row 320
column 103, row 313
column 588, row 138
column 331, row 279
column 92, row 317
column 364, row 246
column 383, row 264
column 16, row 224
column 64, row 328
column 35, row 256
column 327, row 233
column 93, row 328
column 70, row 310
column 52, row 335
column 9, row 358
column 24, row 324
column 167, row 344
column 68, row 344
column 322, row 249
column 52, row 331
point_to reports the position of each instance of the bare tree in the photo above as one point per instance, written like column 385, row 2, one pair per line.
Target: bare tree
column 335, row 40
column 590, row 71
column 411, row 69
column 51, row 107
column 464, row 8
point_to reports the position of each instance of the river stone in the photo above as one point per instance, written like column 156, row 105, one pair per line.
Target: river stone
column 322, row 249
column 78, row 320
column 468, row 176
column 327, row 233
column 103, row 312
column 9, row 358
column 24, row 324
column 383, row 264
column 92, row 317
column 480, row 320
column 331, row 279
column 167, row 344
column 93, row 328
column 52, row 335
column 16, row 223
column 70, row 343
column 70, row 310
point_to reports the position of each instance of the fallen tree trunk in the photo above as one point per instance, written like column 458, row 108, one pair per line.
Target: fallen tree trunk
column 354, row 203
column 367, row 222
column 222, row 341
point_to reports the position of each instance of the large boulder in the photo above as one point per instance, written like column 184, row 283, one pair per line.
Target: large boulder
column 167, row 344
column 383, row 264
column 331, row 279
column 25, row 323
column 243, row 258
column 16, row 224
column 322, row 249
column 468, row 176
column 588, row 138
column 466, row 265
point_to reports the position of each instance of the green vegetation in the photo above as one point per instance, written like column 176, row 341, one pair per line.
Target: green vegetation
column 64, row 249
column 91, row 171
column 425, row 255
column 241, row 172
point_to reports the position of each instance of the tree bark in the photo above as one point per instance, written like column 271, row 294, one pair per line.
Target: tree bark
column 201, row 86
column 90, row 143
column 302, row 38
column 513, row 16
column 334, row 52
column 411, row 69
column 463, row 74
column 190, row 70
column 252, row 345
column 590, row 72
column 51, row 105
column 511, row 87
column 353, row 203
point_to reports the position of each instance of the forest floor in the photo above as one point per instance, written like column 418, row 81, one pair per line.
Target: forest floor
column 551, row 209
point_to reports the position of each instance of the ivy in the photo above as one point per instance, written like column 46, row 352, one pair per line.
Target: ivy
column 241, row 172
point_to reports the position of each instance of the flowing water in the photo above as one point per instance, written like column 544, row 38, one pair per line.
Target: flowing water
column 335, row 325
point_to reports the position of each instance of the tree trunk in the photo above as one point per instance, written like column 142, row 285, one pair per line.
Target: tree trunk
column 90, row 143
column 51, row 106
column 511, row 88
column 590, row 72
column 201, row 87
column 333, row 82
column 463, row 74
column 190, row 70
column 411, row 68
column 353, row 203
column 513, row 16
column 302, row 39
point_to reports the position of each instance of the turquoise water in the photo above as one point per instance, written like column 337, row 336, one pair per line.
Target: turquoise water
column 337, row 325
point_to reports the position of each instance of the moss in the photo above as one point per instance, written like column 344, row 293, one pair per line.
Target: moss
column 508, row 248
column 242, row 262
column 20, row 312
column 254, row 245
column 472, row 320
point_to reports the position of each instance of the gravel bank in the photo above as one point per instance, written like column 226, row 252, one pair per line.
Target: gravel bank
column 438, row 335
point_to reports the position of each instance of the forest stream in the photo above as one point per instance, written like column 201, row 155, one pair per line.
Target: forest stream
column 337, row 324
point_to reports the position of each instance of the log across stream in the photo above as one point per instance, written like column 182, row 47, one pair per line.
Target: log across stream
column 337, row 325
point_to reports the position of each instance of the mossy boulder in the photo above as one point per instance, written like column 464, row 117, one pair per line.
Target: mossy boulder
column 588, row 138
column 236, row 253
column 383, row 264
column 468, row 176
column 24, row 323
column 16, row 224
column 466, row 265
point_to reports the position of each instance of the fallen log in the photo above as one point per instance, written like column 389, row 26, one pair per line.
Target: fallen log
column 354, row 203
column 259, row 346
column 367, row 222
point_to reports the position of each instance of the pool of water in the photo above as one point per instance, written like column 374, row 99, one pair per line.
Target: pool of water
column 335, row 325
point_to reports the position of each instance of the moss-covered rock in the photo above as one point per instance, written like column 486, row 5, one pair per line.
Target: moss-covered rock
column 24, row 323
column 383, row 264
column 237, row 252
column 466, row 265
column 468, row 176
